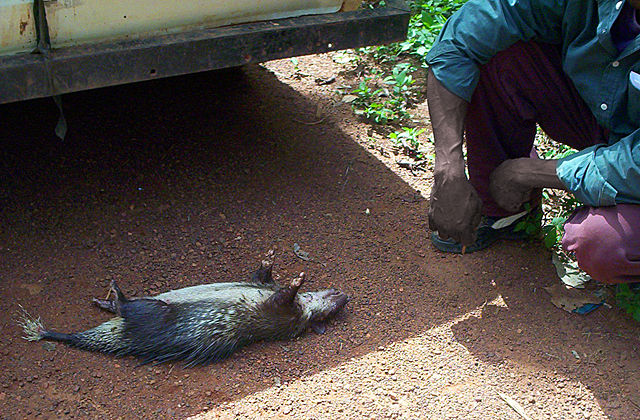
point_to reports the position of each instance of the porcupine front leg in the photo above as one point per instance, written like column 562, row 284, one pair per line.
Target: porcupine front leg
column 285, row 296
column 264, row 273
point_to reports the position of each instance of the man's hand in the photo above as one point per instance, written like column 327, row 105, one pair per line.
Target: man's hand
column 454, row 209
column 511, row 183
column 506, row 187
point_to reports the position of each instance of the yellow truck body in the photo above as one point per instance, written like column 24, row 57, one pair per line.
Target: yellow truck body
column 75, row 22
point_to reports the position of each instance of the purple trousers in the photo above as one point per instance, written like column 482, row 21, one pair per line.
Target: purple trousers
column 518, row 88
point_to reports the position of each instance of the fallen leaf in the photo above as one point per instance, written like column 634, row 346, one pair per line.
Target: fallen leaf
column 342, row 57
column 569, row 298
column 303, row 255
column 570, row 273
column 508, row 221
column 349, row 98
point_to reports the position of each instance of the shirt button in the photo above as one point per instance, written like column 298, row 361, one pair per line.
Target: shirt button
column 604, row 107
column 618, row 5
column 615, row 63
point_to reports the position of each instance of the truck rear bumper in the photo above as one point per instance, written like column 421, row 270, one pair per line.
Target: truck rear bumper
column 27, row 76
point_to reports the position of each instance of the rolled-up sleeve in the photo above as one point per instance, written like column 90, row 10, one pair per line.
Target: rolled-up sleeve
column 604, row 175
column 481, row 29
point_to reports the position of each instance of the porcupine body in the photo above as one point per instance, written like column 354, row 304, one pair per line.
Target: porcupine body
column 201, row 324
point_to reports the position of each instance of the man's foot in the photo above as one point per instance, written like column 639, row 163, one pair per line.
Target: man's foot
column 486, row 237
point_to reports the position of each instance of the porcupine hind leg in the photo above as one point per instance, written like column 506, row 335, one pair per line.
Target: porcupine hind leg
column 111, row 305
column 115, row 305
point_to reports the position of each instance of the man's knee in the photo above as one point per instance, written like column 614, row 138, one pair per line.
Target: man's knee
column 606, row 242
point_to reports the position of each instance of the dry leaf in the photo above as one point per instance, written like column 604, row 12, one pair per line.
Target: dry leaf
column 569, row 299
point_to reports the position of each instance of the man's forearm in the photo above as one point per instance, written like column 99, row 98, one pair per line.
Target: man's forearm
column 448, row 113
column 511, row 183
column 540, row 173
column 454, row 205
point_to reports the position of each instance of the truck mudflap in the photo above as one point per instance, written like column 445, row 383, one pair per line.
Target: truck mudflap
column 52, row 72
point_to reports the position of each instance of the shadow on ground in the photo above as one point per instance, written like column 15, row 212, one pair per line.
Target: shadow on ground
column 190, row 180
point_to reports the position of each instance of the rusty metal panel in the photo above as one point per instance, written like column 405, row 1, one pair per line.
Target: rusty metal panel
column 17, row 28
column 90, row 66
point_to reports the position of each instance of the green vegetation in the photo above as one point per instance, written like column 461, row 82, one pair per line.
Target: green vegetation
column 628, row 298
column 557, row 205
column 427, row 19
column 381, row 105
column 531, row 223
column 375, row 101
column 386, row 95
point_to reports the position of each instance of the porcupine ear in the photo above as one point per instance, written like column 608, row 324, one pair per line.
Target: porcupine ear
column 264, row 273
column 286, row 295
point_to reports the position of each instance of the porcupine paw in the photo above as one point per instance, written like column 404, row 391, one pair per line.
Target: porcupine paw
column 267, row 262
column 297, row 282
column 106, row 304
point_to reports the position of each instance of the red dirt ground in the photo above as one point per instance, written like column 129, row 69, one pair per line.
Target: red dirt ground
column 191, row 180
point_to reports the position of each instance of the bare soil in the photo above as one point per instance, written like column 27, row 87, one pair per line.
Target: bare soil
column 191, row 180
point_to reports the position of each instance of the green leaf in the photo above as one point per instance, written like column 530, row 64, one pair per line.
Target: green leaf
column 551, row 239
column 531, row 229
column 522, row 225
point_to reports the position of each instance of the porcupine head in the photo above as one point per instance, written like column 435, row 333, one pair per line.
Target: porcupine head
column 201, row 324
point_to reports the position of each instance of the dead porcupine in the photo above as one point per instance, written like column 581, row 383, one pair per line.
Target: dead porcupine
column 201, row 324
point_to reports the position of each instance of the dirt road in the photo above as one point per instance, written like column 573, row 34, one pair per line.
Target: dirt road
column 190, row 180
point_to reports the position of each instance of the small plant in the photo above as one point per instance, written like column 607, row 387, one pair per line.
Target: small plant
column 295, row 63
column 552, row 232
column 557, row 205
column 401, row 79
column 380, row 113
column 558, row 151
column 628, row 298
column 407, row 139
column 428, row 18
column 372, row 4
column 531, row 223
column 365, row 94
column 297, row 71
column 370, row 102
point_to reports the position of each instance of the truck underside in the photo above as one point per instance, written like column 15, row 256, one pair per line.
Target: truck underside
column 54, row 71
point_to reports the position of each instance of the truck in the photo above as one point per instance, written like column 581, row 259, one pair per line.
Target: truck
column 52, row 47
